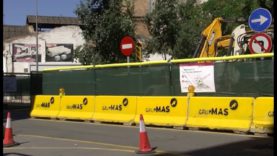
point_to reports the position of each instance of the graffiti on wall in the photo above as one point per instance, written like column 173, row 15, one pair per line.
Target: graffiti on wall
column 59, row 52
column 25, row 52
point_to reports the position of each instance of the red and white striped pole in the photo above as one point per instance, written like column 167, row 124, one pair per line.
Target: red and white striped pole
column 144, row 144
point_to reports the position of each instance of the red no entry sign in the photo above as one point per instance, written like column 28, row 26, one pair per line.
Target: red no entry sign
column 127, row 45
column 260, row 43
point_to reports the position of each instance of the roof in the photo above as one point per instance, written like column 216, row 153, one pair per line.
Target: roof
column 52, row 21
column 10, row 31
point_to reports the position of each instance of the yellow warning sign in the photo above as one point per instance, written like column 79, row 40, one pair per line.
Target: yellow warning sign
column 120, row 109
column 162, row 110
column 263, row 115
column 227, row 113
column 77, row 107
column 46, row 106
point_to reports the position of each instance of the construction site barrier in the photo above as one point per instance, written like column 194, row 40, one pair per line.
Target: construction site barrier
column 221, row 113
column 263, row 115
column 77, row 107
column 162, row 110
column 119, row 109
column 46, row 106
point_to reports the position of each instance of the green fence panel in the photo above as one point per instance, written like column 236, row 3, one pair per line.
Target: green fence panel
column 156, row 80
column 175, row 80
column 241, row 78
column 36, row 84
column 118, row 81
column 248, row 78
column 23, row 85
column 74, row 82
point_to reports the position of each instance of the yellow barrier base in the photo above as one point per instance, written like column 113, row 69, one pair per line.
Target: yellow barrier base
column 116, row 118
column 75, row 115
column 44, row 114
column 77, row 107
column 117, row 109
column 216, row 124
column 266, row 128
column 46, row 106
column 263, row 114
column 162, row 120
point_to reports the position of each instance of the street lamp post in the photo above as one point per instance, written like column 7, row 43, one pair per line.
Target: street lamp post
column 37, row 35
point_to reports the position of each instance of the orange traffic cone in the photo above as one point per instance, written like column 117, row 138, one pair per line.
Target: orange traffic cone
column 144, row 144
column 8, row 139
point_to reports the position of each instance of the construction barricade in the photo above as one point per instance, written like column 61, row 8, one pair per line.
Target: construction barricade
column 119, row 109
column 221, row 113
column 263, row 115
column 77, row 107
column 46, row 106
column 162, row 111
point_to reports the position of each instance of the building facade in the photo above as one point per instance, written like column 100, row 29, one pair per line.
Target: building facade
column 57, row 39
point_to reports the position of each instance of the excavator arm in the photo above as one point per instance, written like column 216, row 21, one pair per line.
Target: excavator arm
column 209, row 36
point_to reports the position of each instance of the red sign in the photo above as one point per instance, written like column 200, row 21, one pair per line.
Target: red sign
column 127, row 45
column 260, row 43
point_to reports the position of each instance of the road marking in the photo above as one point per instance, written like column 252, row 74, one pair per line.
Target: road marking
column 125, row 148
column 74, row 140
column 67, row 148
column 160, row 128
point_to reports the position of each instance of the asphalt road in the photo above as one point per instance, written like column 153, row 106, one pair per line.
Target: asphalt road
column 44, row 137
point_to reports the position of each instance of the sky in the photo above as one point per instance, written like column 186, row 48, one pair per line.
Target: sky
column 16, row 11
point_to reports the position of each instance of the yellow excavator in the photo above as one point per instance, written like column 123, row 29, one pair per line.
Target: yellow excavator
column 213, row 43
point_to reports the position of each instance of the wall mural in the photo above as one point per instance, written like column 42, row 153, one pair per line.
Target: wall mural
column 59, row 52
column 25, row 52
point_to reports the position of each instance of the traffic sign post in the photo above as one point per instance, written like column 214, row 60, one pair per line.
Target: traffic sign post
column 259, row 20
column 127, row 46
column 260, row 43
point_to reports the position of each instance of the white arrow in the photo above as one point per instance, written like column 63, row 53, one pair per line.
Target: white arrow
column 262, row 19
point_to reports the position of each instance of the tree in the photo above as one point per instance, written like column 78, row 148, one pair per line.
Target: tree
column 163, row 26
column 193, row 20
column 104, row 23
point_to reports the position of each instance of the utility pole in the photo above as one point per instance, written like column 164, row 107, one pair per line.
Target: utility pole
column 37, row 35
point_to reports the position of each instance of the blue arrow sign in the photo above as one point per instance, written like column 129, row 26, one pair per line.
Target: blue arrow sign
column 259, row 20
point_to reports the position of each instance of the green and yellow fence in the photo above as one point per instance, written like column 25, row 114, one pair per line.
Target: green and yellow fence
column 119, row 93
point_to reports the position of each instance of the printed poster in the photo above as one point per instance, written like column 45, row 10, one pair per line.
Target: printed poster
column 201, row 76
column 59, row 52
column 25, row 52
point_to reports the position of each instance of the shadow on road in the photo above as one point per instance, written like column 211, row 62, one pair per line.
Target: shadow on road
column 253, row 147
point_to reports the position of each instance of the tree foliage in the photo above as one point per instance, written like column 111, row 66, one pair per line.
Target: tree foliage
column 185, row 21
column 103, row 30
column 193, row 21
column 163, row 26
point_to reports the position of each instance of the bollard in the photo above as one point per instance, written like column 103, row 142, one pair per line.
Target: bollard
column 61, row 92
column 191, row 90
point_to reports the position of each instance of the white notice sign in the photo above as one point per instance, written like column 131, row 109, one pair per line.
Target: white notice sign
column 201, row 76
